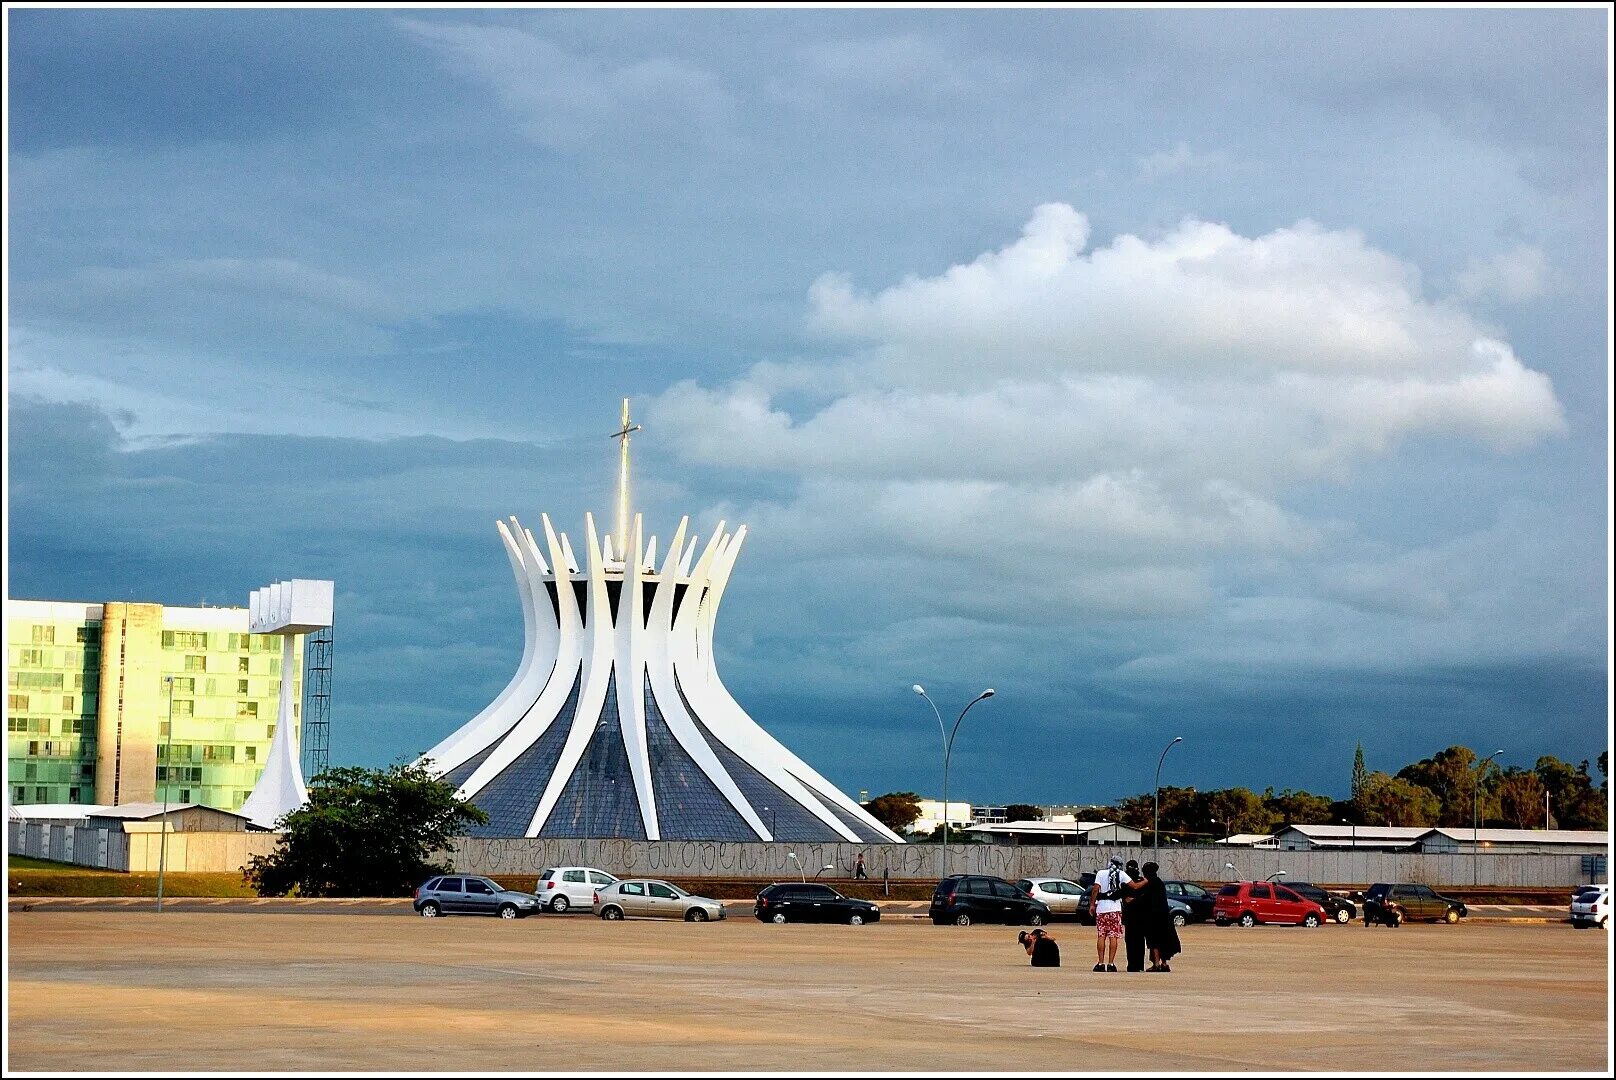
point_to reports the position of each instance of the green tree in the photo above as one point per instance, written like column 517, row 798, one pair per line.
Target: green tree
column 1392, row 800
column 1520, row 798
column 1182, row 811
column 1576, row 803
column 364, row 832
column 1360, row 775
column 896, row 810
column 1236, row 810
column 955, row 836
column 1023, row 812
column 1451, row 775
column 1299, row 807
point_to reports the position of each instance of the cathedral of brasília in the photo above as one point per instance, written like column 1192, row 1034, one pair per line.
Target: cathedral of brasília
column 616, row 723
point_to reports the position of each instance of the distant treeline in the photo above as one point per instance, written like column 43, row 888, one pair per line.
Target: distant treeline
column 1437, row 791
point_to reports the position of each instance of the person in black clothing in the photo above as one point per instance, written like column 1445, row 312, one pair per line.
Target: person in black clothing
column 1133, row 918
column 1041, row 947
column 858, row 871
column 1160, row 933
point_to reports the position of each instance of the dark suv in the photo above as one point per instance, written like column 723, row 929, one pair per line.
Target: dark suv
column 1337, row 908
column 963, row 899
column 1416, row 902
column 793, row 902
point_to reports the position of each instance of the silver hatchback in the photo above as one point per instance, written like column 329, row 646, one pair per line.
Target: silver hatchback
column 651, row 899
column 465, row 894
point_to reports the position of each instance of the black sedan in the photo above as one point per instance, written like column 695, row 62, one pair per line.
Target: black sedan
column 802, row 902
column 1196, row 898
column 1338, row 908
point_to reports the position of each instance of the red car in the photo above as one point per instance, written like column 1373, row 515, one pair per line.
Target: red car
column 1251, row 902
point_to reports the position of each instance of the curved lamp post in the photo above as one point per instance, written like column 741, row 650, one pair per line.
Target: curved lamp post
column 1475, row 821
column 948, row 751
column 1155, row 847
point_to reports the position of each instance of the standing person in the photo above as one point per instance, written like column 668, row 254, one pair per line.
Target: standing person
column 1041, row 947
column 1105, row 900
column 1160, row 933
column 1133, row 918
column 858, row 871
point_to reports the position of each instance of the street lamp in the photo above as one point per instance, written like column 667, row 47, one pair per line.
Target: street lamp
column 792, row 856
column 948, row 751
column 1475, row 821
column 822, row 869
column 1156, row 817
column 168, row 777
column 1354, row 824
column 774, row 823
column 1229, row 866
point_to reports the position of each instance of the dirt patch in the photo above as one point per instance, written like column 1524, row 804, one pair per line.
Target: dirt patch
column 200, row 992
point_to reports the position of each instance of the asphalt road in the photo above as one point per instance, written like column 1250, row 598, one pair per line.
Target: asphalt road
column 190, row 991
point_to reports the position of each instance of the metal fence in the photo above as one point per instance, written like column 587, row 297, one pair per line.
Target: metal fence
column 106, row 849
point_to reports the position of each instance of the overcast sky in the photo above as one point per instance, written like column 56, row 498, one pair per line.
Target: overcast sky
column 1239, row 375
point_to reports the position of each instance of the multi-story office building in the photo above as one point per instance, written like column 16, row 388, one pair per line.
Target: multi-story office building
column 88, row 705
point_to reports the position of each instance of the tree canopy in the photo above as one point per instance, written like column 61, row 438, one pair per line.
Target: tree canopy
column 896, row 810
column 364, row 832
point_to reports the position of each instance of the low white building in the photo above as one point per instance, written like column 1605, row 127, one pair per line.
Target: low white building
column 1348, row 837
column 931, row 816
column 1248, row 840
column 1056, row 832
column 1515, row 841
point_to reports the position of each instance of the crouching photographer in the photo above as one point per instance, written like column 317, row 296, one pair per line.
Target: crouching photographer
column 1041, row 947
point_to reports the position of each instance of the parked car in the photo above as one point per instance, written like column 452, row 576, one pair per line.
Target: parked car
column 564, row 887
column 1417, row 901
column 1061, row 896
column 651, row 899
column 1085, row 882
column 1251, row 902
column 794, row 902
column 1182, row 913
column 963, row 899
column 1335, row 907
column 1590, row 906
column 462, row 894
column 1197, row 899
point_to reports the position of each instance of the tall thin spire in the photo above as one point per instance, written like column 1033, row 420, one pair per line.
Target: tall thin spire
column 622, row 485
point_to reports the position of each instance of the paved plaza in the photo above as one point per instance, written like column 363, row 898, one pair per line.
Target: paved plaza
column 221, row 990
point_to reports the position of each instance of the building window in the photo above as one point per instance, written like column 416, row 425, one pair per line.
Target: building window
column 41, row 794
column 16, row 703
column 196, row 663
column 68, row 703
column 241, row 687
column 31, row 657
column 44, row 635
column 72, row 794
column 18, row 794
column 246, row 709
column 184, row 685
column 89, row 635
column 186, row 707
column 186, row 639
column 251, row 752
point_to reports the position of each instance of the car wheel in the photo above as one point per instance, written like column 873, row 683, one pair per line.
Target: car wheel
column 695, row 914
column 1451, row 917
column 1179, row 919
column 1342, row 915
column 1311, row 921
column 611, row 914
column 560, row 904
column 855, row 920
column 507, row 911
column 780, row 917
column 1248, row 919
column 962, row 919
column 430, row 910
column 1036, row 919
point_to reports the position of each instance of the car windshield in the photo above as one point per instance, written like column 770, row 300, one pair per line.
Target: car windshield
column 677, row 891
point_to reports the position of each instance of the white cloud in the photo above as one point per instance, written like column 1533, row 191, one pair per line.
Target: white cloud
column 1513, row 276
column 1058, row 430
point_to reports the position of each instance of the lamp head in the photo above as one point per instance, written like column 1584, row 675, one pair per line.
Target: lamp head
column 917, row 688
column 1177, row 740
column 988, row 692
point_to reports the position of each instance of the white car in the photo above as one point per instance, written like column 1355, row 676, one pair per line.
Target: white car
column 1060, row 895
column 1590, row 906
column 562, row 888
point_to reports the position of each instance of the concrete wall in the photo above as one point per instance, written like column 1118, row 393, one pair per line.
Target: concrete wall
column 106, row 849
column 139, row 849
column 925, row 861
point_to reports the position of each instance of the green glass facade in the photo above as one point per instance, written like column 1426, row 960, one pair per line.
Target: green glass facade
column 66, row 742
